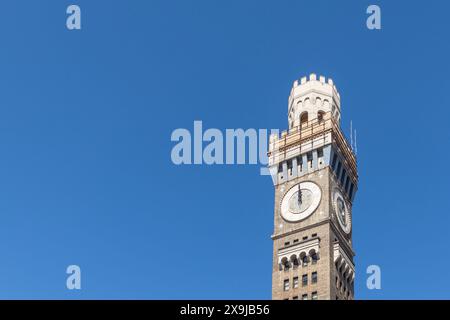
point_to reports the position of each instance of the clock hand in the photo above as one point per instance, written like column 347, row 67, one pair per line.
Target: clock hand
column 299, row 195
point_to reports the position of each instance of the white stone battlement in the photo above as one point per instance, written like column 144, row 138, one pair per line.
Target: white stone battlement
column 319, row 84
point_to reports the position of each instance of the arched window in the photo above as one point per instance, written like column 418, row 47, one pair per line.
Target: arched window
column 294, row 261
column 317, row 102
column 285, row 264
column 304, row 119
column 320, row 116
column 305, row 260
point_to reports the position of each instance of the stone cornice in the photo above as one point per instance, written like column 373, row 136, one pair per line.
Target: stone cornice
column 280, row 235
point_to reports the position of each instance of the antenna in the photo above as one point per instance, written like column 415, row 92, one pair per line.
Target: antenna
column 351, row 135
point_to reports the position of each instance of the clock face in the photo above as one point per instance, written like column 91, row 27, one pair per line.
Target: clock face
column 300, row 201
column 342, row 212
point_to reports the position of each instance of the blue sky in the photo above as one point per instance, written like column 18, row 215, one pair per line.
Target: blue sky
column 86, row 117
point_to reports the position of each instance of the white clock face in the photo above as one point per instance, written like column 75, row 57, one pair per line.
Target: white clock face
column 342, row 212
column 300, row 201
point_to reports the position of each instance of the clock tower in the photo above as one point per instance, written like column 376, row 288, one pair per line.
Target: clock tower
column 315, row 177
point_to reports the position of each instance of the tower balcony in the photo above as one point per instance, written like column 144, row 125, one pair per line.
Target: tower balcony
column 300, row 145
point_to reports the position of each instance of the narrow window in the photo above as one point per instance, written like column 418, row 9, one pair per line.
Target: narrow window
column 314, row 295
column 344, row 173
column 300, row 163
column 314, row 277
column 295, row 282
column 309, row 158
column 305, row 297
column 350, row 193
column 320, row 152
column 304, row 280
column 320, row 156
column 286, row 285
column 333, row 163
column 338, row 168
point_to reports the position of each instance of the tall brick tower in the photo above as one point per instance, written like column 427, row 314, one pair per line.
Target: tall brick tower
column 316, row 178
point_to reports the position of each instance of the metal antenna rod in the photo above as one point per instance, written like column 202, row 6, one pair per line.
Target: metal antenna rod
column 351, row 135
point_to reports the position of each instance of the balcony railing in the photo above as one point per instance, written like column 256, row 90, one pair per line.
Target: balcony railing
column 312, row 130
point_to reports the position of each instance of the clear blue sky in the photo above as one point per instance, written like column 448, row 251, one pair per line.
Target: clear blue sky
column 86, row 117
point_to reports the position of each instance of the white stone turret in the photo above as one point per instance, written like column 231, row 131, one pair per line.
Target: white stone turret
column 312, row 97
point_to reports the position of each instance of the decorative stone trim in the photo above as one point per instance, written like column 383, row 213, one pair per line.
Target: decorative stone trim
column 298, row 250
column 341, row 259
